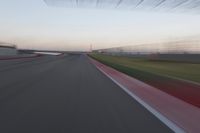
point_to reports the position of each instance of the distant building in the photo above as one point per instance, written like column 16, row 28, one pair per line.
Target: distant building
column 8, row 50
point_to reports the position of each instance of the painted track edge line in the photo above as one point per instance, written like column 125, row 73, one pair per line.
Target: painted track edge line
column 157, row 114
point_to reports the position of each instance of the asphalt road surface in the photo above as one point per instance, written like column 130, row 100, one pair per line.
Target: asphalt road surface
column 67, row 94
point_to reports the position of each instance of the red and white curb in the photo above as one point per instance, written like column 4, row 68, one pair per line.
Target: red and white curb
column 178, row 115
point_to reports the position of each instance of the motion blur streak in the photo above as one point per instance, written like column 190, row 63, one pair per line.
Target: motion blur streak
column 176, row 46
column 166, row 5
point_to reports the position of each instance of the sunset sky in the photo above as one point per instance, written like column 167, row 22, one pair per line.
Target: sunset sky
column 32, row 24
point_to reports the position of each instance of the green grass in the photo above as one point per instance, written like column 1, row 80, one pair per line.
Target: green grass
column 141, row 66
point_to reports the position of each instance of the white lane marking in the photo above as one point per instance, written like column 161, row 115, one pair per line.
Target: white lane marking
column 157, row 114
column 48, row 53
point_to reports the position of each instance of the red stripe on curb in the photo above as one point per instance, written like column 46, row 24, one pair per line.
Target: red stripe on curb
column 184, row 115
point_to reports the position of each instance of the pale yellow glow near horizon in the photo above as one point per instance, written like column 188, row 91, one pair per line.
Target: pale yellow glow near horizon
column 41, row 27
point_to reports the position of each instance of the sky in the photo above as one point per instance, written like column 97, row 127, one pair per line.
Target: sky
column 34, row 25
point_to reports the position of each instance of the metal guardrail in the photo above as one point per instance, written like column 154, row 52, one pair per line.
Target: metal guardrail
column 190, row 46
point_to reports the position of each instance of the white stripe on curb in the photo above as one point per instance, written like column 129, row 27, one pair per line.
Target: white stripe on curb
column 161, row 117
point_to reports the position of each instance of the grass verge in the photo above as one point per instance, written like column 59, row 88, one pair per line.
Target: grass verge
column 156, row 73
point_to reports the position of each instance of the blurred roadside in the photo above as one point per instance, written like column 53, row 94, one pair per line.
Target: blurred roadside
column 180, row 79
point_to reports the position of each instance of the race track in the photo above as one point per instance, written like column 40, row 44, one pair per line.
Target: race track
column 67, row 94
